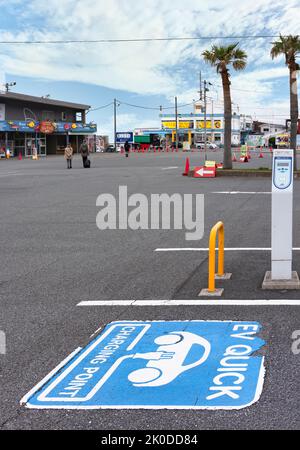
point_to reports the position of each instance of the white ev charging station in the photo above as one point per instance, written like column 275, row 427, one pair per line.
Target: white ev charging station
column 281, row 275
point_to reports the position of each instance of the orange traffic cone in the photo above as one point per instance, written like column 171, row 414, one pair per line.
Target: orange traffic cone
column 261, row 155
column 187, row 167
column 234, row 158
column 20, row 156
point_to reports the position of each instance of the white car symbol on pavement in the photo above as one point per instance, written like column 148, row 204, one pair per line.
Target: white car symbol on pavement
column 166, row 363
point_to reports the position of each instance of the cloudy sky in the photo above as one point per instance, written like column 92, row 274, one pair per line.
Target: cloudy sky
column 147, row 74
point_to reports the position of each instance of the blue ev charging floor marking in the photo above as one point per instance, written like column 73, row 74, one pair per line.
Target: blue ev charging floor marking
column 159, row 365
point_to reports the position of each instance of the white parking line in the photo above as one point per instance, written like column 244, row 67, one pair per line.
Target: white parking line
column 227, row 249
column 8, row 174
column 168, row 168
column 239, row 192
column 255, row 302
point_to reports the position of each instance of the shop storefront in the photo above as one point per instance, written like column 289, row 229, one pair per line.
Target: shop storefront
column 47, row 138
column 42, row 125
column 192, row 128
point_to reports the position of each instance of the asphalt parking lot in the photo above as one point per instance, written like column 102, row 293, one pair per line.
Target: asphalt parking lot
column 54, row 257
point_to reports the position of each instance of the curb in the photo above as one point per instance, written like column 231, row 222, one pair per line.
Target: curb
column 242, row 173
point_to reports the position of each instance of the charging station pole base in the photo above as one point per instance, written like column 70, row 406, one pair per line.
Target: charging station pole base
column 293, row 283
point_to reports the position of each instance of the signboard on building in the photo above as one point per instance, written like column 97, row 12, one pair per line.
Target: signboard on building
column 47, row 127
column 122, row 137
column 282, row 140
column 2, row 111
column 182, row 124
column 201, row 124
column 32, row 126
column 170, row 124
column 186, row 124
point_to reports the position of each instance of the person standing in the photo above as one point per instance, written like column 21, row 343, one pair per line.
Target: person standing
column 84, row 150
column 69, row 155
column 127, row 148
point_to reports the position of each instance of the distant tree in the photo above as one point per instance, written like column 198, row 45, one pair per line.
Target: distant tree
column 221, row 57
column 289, row 46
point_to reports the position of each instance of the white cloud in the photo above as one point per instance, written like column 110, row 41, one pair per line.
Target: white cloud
column 136, row 67
column 126, row 122
column 161, row 68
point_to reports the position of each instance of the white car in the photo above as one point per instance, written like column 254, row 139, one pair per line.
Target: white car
column 210, row 145
column 167, row 362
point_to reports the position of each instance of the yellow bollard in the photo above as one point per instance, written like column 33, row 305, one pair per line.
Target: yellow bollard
column 217, row 230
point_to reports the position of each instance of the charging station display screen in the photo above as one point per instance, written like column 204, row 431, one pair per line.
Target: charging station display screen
column 282, row 172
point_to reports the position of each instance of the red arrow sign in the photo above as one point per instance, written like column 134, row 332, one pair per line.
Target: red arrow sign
column 204, row 172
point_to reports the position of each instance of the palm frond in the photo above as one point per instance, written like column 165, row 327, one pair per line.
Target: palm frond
column 286, row 45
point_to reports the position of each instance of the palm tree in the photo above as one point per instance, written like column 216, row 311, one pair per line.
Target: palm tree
column 222, row 57
column 289, row 46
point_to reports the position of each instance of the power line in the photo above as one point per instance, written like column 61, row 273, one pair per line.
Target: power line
column 138, row 106
column 101, row 107
column 160, row 108
column 157, row 108
column 242, row 90
column 104, row 41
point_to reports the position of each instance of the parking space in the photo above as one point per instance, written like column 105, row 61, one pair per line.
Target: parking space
column 56, row 258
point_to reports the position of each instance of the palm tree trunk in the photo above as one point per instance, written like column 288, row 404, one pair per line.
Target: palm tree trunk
column 227, row 164
column 293, row 111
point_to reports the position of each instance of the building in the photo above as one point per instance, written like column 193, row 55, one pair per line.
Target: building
column 144, row 137
column 246, row 122
column 191, row 127
column 268, row 128
column 41, row 123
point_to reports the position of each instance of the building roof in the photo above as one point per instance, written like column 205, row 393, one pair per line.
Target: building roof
column 45, row 101
column 258, row 123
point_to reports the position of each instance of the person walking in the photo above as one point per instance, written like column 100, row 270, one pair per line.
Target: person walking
column 69, row 155
column 127, row 148
column 84, row 150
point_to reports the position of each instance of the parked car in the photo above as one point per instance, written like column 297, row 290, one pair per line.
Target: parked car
column 209, row 145
column 110, row 148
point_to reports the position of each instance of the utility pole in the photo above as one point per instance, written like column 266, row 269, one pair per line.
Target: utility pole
column 212, row 122
column 205, row 111
column 115, row 124
column 200, row 92
column 176, row 120
column 205, row 105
